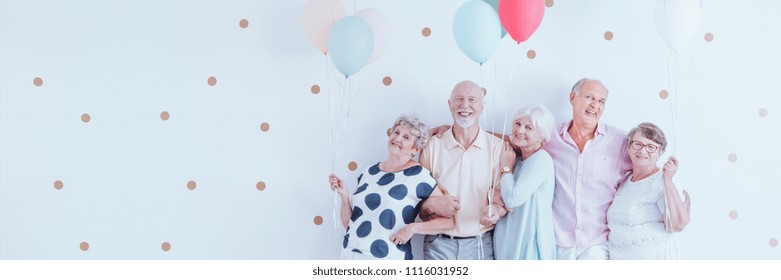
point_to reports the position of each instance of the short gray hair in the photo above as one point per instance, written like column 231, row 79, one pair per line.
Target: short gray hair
column 541, row 118
column 418, row 126
column 650, row 131
column 579, row 84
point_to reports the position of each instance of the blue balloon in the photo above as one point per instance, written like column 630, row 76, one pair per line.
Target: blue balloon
column 477, row 30
column 350, row 44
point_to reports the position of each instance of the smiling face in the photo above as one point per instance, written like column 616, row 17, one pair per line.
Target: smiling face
column 638, row 151
column 402, row 142
column 466, row 103
column 525, row 134
column 587, row 106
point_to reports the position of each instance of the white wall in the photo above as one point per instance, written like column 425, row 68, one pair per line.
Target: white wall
column 125, row 172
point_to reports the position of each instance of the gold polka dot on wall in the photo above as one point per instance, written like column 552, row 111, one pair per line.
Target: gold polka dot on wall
column 318, row 220
column 58, row 184
column 85, row 118
column 264, row 126
column 387, row 81
column 165, row 115
column 352, row 166
column 191, row 185
column 549, row 3
column 709, row 37
column 608, row 35
column 426, row 32
column 664, row 94
column 260, row 186
column 38, row 81
column 733, row 214
column 166, row 246
column 773, row 242
column 315, row 89
column 762, row 112
column 243, row 23
column 531, row 54
column 84, row 246
column 732, row 157
column 212, row 81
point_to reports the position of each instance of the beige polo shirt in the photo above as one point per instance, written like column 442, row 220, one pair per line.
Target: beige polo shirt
column 467, row 173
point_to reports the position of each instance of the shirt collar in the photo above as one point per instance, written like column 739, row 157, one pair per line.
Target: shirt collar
column 481, row 141
column 600, row 128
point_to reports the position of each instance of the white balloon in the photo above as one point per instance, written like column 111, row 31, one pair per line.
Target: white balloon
column 381, row 28
column 677, row 22
column 317, row 19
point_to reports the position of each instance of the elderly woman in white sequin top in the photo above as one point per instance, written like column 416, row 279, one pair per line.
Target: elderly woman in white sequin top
column 649, row 206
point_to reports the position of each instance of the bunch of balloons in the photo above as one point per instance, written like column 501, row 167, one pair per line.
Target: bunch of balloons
column 351, row 41
column 479, row 25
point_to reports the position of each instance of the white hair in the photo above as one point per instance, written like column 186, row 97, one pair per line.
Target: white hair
column 418, row 126
column 541, row 118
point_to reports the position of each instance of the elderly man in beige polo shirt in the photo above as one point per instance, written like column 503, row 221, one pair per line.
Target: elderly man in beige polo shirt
column 465, row 163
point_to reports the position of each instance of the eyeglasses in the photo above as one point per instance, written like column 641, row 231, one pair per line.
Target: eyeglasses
column 648, row 147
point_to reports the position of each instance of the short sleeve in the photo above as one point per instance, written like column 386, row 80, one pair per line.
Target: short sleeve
column 660, row 202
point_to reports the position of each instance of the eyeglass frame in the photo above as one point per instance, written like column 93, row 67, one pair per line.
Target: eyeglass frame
column 646, row 146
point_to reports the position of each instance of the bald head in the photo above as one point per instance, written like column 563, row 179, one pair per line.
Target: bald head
column 466, row 103
column 467, row 87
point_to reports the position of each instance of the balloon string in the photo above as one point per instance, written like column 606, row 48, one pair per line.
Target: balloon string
column 334, row 216
column 675, row 103
column 491, row 172
column 670, row 84
column 330, row 115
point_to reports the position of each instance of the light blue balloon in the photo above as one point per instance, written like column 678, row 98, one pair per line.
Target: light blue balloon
column 495, row 4
column 350, row 44
column 477, row 30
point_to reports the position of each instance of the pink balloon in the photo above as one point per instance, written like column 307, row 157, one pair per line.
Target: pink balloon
column 521, row 17
column 318, row 18
column 381, row 28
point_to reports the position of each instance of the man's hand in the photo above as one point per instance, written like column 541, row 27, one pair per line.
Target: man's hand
column 443, row 205
column 439, row 131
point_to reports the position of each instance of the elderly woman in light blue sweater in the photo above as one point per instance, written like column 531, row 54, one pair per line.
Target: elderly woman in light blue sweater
column 527, row 183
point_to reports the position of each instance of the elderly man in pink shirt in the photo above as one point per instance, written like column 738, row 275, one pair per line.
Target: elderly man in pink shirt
column 591, row 161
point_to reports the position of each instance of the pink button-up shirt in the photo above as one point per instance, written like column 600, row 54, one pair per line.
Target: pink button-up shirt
column 586, row 183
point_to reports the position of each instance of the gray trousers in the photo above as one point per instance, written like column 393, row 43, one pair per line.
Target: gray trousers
column 438, row 247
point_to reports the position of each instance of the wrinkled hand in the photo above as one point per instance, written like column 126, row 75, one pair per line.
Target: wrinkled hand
column 489, row 220
column 403, row 235
column 508, row 156
column 670, row 167
column 337, row 185
column 439, row 131
column 444, row 205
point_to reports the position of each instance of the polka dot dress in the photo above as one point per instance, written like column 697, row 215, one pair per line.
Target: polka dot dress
column 384, row 203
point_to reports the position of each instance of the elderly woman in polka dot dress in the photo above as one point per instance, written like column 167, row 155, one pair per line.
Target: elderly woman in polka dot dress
column 380, row 215
column 649, row 206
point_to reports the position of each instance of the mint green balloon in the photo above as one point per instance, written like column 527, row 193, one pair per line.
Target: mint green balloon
column 350, row 44
column 477, row 30
column 495, row 4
